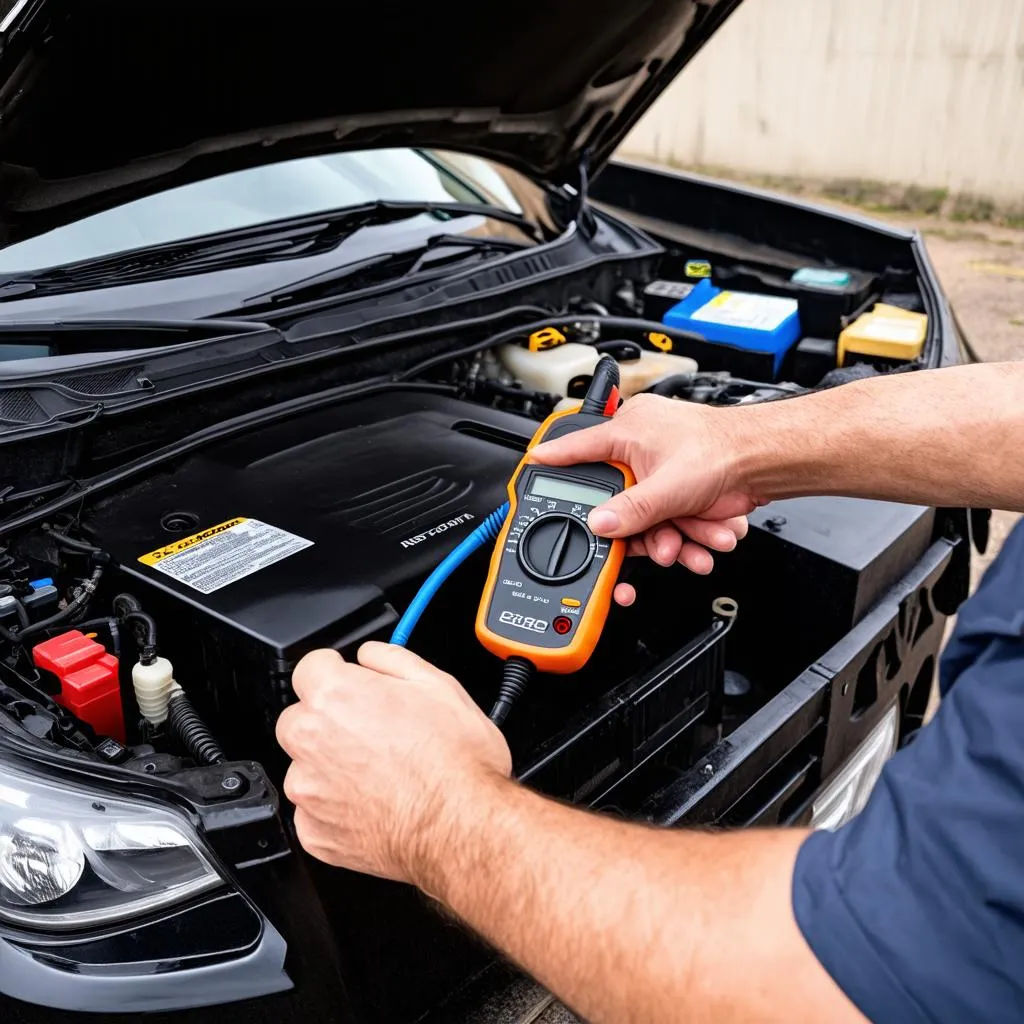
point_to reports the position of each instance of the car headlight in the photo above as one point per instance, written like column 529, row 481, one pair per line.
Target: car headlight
column 845, row 796
column 71, row 859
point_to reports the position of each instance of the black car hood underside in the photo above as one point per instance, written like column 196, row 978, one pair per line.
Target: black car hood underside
column 103, row 101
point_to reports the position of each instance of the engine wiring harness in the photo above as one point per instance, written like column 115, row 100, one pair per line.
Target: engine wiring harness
column 60, row 652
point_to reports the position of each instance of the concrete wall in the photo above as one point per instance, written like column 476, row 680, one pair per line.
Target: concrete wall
column 912, row 92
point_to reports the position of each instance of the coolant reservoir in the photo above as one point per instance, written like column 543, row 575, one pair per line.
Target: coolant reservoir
column 639, row 374
column 550, row 369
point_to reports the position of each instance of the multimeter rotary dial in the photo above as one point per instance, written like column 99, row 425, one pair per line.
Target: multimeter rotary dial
column 556, row 547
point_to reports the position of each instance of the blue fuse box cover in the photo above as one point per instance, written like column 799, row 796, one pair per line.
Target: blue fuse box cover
column 768, row 324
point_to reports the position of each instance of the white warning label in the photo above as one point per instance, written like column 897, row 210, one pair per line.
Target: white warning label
column 224, row 553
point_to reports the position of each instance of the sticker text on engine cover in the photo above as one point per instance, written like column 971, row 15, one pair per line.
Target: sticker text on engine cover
column 230, row 551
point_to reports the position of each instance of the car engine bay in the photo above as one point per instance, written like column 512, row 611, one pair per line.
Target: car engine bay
column 152, row 627
column 316, row 530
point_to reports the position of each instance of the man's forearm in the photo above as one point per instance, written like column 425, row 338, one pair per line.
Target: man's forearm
column 628, row 923
column 937, row 437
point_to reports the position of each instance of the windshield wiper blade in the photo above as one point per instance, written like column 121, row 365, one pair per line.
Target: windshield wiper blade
column 402, row 209
column 406, row 263
column 482, row 244
column 308, row 235
column 163, row 262
column 112, row 335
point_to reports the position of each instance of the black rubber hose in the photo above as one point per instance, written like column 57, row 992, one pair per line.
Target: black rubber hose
column 634, row 327
column 191, row 731
column 22, row 612
column 147, row 648
column 606, row 377
column 88, row 624
column 514, row 680
column 670, row 387
column 71, row 544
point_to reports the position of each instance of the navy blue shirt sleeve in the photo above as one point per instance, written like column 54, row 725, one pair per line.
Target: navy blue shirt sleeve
column 916, row 907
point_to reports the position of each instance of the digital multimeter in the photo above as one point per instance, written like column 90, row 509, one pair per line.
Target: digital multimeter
column 551, row 579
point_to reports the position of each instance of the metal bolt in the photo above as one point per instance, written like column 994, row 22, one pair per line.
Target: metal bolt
column 230, row 783
column 708, row 769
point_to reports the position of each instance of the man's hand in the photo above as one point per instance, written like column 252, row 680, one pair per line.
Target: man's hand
column 686, row 502
column 380, row 750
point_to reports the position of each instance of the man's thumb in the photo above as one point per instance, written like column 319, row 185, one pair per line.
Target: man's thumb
column 633, row 510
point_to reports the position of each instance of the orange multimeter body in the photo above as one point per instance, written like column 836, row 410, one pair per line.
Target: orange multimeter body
column 550, row 582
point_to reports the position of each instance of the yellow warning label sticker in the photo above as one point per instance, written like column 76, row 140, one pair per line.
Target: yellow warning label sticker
column 222, row 554
column 187, row 542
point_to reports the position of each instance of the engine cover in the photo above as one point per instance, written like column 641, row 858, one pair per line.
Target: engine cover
column 307, row 532
column 368, row 495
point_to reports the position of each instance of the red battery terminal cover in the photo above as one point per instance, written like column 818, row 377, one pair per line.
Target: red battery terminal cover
column 89, row 681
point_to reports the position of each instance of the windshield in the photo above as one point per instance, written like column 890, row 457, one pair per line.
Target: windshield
column 263, row 194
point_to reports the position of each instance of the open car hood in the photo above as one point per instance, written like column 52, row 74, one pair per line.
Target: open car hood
column 103, row 101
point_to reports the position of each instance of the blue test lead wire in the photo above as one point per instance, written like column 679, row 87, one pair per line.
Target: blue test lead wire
column 485, row 533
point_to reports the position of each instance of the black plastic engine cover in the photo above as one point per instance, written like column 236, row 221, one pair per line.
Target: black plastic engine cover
column 382, row 487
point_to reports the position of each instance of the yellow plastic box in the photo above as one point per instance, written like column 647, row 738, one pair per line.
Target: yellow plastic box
column 886, row 332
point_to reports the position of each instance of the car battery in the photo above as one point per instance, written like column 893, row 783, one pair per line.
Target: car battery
column 759, row 329
column 259, row 548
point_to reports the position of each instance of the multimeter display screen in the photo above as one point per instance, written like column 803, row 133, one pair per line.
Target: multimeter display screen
column 568, row 490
